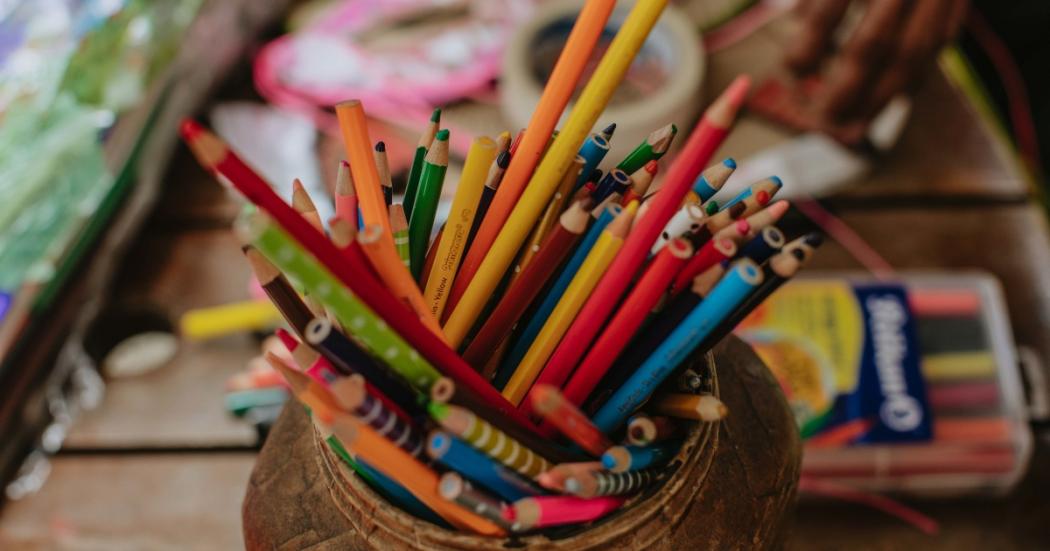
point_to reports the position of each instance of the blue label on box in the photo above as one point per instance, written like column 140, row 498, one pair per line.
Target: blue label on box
column 891, row 391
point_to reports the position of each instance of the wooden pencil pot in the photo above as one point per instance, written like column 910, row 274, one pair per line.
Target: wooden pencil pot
column 733, row 488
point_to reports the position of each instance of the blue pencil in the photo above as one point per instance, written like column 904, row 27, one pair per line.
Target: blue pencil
column 620, row 459
column 593, row 151
column 711, row 180
column 764, row 245
column 743, row 277
column 616, row 181
column 471, row 463
column 521, row 346
column 774, row 180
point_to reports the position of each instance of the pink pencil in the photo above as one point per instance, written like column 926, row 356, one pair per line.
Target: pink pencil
column 541, row 511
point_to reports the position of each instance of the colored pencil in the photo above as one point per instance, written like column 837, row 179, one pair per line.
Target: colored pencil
column 608, row 131
column 383, row 168
column 688, row 219
column 461, row 216
column 465, row 424
column 708, row 135
column 354, row 127
column 620, row 459
column 428, row 194
column 643, row 430
column 641, row 179
column 527, row 286
column 766, row 217
column 598, row 483
column 712, row 180
column 697, row 407
column 425, row 141
column 587, row 277
column 615, row 182
column 652, row 148
column 503, row 142
column 768, row 242
column 519, row 189
column 481, row 277
column 454, row 488
column 770, row 185
column 346, row 357
column 560, row 413
column 492, row 181
column 713, row 252
column 345, row 196
column 306, row 390
column 479, row 468
column 280, row 292
column 417, row 478
column 428, row 262
column 549, row 220
column 625, row 323
column 593, row 150
column 553, row 296
column 352, row 396
column 399, row 225
column 555, row 478
column 809, row 243
column 384, row 258
column 543, row 511
column 445, row 391
column 302, row 204
column 738, row 282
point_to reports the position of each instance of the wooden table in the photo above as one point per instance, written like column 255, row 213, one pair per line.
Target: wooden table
column 949, row 197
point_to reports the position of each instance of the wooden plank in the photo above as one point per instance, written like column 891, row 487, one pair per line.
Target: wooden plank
column 178, row 501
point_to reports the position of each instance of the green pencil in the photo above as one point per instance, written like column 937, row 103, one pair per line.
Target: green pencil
column 421, row 219
column 369, row 329
column 399, row 225
column 417, row 162
column 654, row 147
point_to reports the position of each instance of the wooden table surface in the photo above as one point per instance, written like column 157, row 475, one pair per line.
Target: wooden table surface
column 948, row 197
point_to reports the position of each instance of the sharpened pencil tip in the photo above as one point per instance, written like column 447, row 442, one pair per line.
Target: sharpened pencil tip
column 729, row 163
column 380, row 146
column 776, row 180
column 435, row 116
column 442, row 135
column 189, row 129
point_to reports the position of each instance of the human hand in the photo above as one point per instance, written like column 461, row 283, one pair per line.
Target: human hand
column 887, row 53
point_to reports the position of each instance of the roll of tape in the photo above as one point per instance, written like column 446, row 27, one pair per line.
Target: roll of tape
column 663, row 85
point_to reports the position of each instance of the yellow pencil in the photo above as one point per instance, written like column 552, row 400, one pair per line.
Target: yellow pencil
column 550, row 216
column 216, row 321
column 592, row 101
column 461, row 216
column 588, row 275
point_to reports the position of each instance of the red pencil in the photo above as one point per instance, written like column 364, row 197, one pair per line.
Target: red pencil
column 533, row 278
column 217, row 156
column 713, row 252
column 567, row 418
column 643, row 297
column 709, row 133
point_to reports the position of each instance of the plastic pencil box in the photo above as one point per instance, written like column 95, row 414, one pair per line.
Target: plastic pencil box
column 908, row 386
column 731, row 485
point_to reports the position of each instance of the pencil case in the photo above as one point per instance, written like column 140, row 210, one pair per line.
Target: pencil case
column 921, row 395
column 731, row 485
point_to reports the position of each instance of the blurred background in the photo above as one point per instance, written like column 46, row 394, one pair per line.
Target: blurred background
column 133, row 402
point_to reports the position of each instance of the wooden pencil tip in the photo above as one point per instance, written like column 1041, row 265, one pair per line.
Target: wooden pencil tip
column 738, row 90
column 435, row 116
column 442, row 135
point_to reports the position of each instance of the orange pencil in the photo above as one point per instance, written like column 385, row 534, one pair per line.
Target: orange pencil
column 392, row 272
column 354, row 127
column 384, row 456
column 560, row 85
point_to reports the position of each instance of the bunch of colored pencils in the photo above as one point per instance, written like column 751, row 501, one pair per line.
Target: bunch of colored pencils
column 445, row 382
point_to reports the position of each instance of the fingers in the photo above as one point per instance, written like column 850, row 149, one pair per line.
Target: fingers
column 819, row 20
column 872, row 44
column 926, row 31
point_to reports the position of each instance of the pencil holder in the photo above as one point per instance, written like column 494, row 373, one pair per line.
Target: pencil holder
column 732, row 487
